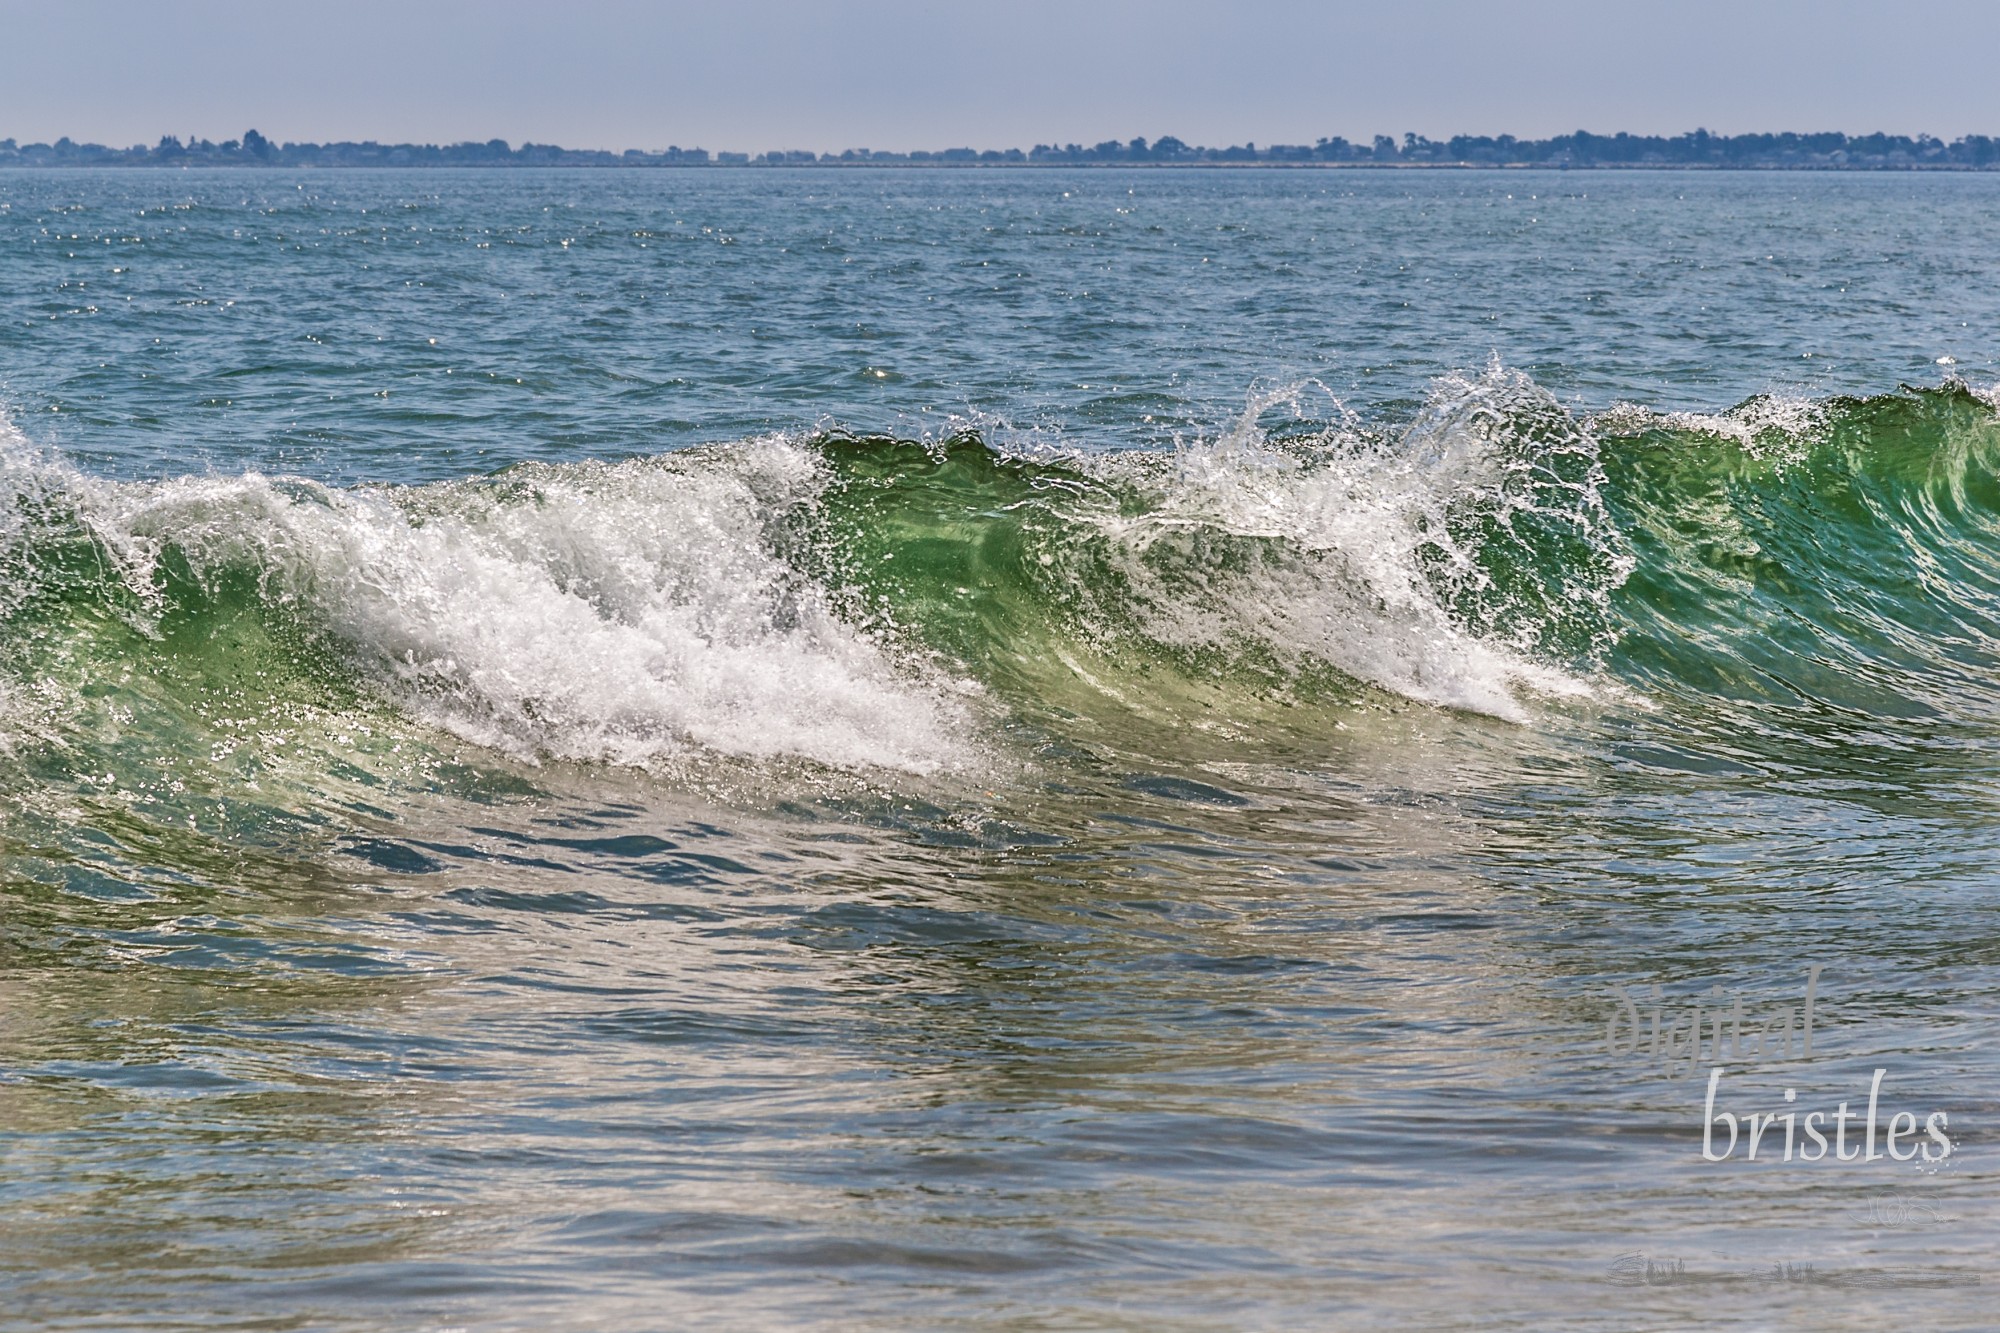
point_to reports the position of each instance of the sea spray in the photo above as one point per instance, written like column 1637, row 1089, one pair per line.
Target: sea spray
column 1458, row 561
column 605, row 612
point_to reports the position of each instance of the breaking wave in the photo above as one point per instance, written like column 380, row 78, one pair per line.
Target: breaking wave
column 866, row 603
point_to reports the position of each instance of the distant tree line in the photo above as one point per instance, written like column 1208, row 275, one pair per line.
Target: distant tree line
column 254, row 150
column 1698, row 149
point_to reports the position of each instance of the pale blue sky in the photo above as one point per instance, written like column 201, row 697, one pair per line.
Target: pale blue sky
column 899, row 74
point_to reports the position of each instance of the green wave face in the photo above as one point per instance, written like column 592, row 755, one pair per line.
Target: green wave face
column 1810, row 612
column 1466, row 562
column 1782, row 587
column 1814, row 585
column 1775, row 577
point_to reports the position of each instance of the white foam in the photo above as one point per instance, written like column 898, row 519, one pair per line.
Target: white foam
column 622, row 613
column 1783, row 426
column 1362, row 576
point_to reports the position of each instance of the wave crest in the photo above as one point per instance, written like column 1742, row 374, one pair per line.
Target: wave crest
column 618, row 612
column 1454, row 562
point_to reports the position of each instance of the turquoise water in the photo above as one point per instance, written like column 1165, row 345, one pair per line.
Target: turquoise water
column 996, row 749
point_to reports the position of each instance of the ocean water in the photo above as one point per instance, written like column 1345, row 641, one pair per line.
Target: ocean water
column 998, row 750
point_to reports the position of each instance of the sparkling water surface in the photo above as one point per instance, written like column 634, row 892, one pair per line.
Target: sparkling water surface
column 384, row 326
column 1031, row 749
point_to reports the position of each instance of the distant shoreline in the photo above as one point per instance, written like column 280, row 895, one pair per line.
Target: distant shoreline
column 1695, row 151
column 1924, row 168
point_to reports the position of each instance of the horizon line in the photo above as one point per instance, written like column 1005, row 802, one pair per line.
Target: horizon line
column 1698, row 148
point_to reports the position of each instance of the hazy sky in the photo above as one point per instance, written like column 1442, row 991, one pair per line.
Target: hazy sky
column 759, row 74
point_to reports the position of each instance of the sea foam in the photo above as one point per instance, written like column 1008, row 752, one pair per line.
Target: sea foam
column 1377, row 551
column 615, row 612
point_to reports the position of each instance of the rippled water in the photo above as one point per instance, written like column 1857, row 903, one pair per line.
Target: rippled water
column 995, row 749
